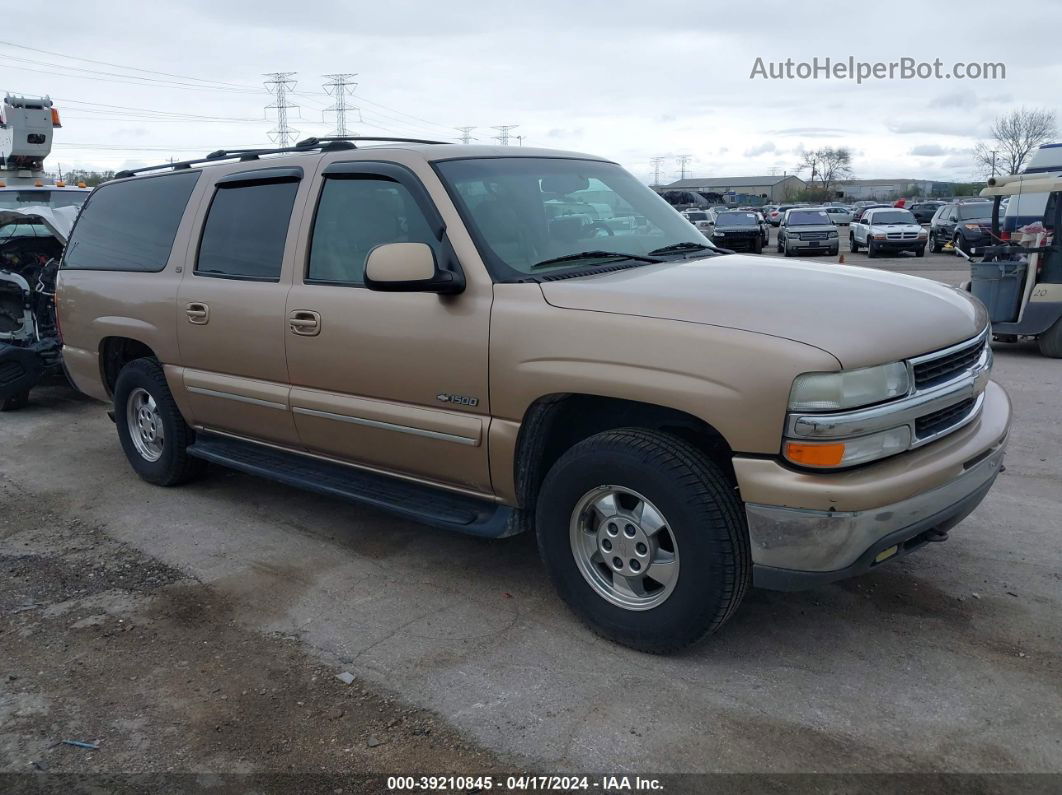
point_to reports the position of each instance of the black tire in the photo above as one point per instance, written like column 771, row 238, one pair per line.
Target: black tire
column 920, row 251
column 780, row 249
column 174, row 466
column 872, row 250
column 935, row 245
column 757, row 247
column 853, row 246
column 702, row 511
column 17, row 401
column 1050, row 342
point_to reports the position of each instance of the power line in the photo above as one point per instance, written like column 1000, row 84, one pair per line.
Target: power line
column 279, row 84
column 683, row 162
column 503, row 133
column 466, row 134
column 128, row 68
column 339, row 86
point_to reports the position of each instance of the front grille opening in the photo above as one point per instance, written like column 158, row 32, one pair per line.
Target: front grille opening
column 936, row 371
column 943, row 419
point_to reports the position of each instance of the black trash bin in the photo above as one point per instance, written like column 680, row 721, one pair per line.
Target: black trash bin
column 999, row 285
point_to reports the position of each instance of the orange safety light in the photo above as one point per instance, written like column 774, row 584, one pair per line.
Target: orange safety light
column 60, row 184
column 55, row 118
column 38, row 184
column 815, row 455
column 82, row 185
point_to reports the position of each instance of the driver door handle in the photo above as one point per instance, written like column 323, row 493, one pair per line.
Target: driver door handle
column 198, row 313
column 305, row 323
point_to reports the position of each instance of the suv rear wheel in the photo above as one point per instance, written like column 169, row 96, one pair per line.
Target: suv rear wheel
column 644, row 538
column 1050, row 342
column 152, row 431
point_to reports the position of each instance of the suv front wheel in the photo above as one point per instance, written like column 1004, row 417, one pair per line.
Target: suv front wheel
column 151, row 429
column 644, row 538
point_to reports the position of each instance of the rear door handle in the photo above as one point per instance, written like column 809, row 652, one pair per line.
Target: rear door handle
column 198, row 313
column 305, row 323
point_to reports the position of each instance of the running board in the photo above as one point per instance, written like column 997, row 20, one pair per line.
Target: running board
column 414, row 501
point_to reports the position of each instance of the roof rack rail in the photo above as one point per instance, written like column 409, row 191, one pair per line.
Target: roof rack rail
column 326, row 143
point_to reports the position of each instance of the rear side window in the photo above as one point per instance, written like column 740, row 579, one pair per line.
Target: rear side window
column 245, row 231
column 130, row 226
column 353, row 217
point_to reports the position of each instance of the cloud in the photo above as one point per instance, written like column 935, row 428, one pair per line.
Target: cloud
column 813, row 132
column 928, row 150
column 767, row 147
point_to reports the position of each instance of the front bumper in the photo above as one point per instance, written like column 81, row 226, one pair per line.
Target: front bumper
column 859, row 515
column 901, row 245
column 22, row 368
column 825, row 244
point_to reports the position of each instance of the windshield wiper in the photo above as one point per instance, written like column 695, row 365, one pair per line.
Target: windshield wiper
column 686, row 246
column 612, row 255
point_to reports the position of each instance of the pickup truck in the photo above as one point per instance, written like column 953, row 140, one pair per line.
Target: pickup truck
column 887, row 229
column 406, row 325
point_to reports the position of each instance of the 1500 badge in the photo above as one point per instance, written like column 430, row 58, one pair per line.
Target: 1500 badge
column 457, row 400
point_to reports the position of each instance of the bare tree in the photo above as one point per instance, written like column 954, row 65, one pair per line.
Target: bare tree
column 826, row 167
column 1014, row 137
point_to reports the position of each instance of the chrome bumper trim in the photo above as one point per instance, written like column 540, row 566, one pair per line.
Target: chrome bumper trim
column 822, row 541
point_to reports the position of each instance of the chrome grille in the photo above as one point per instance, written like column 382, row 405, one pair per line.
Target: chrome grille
column 929, row 372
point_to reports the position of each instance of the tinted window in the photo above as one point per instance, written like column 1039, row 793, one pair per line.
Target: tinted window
column 245, row 231
column 130, row 226
column 11, row 199
column 737, row 219
column 892, row 217
column 353, row 217
column 977, row 210
column 805, row 217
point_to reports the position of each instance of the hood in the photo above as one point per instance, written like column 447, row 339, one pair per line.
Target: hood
column 59, row 220
column 861, row 316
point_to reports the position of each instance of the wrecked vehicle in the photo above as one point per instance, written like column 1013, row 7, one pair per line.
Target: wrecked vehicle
column 31, row 244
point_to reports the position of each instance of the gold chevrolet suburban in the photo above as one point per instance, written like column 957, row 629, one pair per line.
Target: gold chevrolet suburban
column 494, row 340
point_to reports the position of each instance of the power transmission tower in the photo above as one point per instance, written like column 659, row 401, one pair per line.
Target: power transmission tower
column 683, row 161
column 340, row 86
column 466, row 134
column 279, row 84
column 658, row 166
column 503, row 133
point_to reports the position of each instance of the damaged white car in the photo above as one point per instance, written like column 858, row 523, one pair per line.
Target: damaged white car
column 31, row 245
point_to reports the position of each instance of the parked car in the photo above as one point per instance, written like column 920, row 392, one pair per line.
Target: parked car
column 704, row 220
column 841, row 216
column 397, row 325
column 778, row 213
column 807, row 231
column 924, row 211
column 739, row 230
column 31, row 243
column 858, row 214
column 893, row 229
column 967, row 225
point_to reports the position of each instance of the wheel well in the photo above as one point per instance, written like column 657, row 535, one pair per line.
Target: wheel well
column 555, row 423
column 116, row 353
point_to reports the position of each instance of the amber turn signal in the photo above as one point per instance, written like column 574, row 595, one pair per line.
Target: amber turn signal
column 815, row 455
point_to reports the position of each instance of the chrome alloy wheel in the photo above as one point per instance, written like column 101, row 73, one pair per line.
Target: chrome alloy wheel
column 624, row 548
column 145, row 424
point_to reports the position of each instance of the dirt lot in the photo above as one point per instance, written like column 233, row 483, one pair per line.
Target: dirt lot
column 200, row 629
column 105, row 645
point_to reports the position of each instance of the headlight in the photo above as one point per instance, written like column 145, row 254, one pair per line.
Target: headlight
column 830, row 455
column 923, row 233
column 848, row 388
column 973, row 227
column 831, row 234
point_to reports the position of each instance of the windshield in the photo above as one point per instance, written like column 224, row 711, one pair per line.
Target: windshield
column 697, row 216
column 13, row 199
column 736, row 219
column 805, row 217
column 967, row 212
column 893, row 217
column 25, row 230
column 528, row 210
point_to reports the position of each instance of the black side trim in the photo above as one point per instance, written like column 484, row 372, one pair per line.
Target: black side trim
column 420, row 503
column 289, row 174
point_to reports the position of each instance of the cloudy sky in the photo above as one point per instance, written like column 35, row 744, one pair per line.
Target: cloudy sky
column 626, row 79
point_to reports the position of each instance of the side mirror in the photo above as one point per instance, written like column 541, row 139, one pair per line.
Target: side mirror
column 409, row 268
